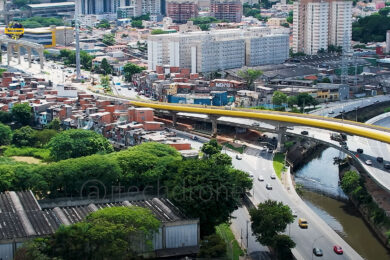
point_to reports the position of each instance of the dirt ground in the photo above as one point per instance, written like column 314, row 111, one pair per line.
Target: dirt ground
column 27, row 159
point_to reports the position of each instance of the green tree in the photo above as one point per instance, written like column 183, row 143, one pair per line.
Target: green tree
column 212, row 246
column 304, row 99
column 105, row 24
column 279, row 98
column 109, row 39
column 204, row 27
column 5, row 117
column 69, row 58
column 5, row 134
column 290, row 17
column 268, row 220
column 105, row 82
column 109, row 233
column 350, row 181
column 137, row 24
column 250, row 75
column 130, row 69
column 106, row 67
column 24, row 136
column 158, row 31
column 55, row 124
column 206, row 190
column 326, row 80
column 22, row 113
column 44, row 136
column 146, row 164
column 76, row 143
column 291, row 101
column 283, row 245
column 211, row 147
column 6, row 177
column 384, row 11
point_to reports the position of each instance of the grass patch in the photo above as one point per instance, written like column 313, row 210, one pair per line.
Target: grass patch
column 279, row 164
column 234, row 250
column 27, row 159
column 239, row 149
column 39, row 153
column 8, row 161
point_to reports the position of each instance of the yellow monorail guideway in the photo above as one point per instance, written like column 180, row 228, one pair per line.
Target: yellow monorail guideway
column 350, row 127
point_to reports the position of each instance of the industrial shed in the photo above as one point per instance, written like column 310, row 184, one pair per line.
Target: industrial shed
column 22, row 218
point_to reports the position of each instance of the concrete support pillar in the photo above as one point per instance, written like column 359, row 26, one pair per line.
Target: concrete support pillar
column 29, row 56
column 281, row 130
column 9, row 53
column 18, row 53
column 214, row 125
column 41, row 58
column 174, row 118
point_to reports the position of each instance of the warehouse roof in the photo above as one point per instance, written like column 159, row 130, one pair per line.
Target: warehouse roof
column 46, row 5
column 22, row 217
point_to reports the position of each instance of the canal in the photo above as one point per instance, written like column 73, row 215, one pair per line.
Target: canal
column 324, row 196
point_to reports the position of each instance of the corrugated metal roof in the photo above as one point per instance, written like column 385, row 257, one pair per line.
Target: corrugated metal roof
column 13, row 223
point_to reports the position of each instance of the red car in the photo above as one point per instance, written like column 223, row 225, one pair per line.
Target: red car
column 338, row 250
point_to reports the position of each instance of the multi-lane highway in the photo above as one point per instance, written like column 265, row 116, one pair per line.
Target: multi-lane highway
column 259, row 162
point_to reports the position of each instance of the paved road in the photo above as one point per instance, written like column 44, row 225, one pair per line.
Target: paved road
column 319, row 234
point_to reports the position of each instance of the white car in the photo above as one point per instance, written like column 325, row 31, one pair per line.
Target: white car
column 251, row 175
column 268, row 186
column 369, row 162
column 264, row 148
column 273, row 176
column 260, row 178
column 238, row 157
column 331, row 112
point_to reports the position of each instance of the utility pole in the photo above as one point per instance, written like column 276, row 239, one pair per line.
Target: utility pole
column 247, row 236
column 77, row 29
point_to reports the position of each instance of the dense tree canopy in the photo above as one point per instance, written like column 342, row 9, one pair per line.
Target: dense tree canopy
column 5, row 117
column 24, row 136
column 105, row 67
column 279, row 98
column 5, row 134
column 250, row 75
column 210, row 148
column 130, row 69
column 371, row 28
column 269, row 219
column 105, row 24
column 212, row 247
column 69, row 58
column 76, row 143
column 109, row 233
column 22, row 113
column 109, row 39
column 207, row 190
column 38, row 21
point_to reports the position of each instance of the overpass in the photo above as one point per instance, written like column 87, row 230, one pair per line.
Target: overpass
column 281, row 119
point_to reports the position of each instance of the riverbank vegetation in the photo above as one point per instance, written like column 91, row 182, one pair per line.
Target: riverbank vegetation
column 353, row 185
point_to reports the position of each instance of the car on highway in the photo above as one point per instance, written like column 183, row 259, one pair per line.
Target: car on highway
column 268, row 186
column 359, row 150
column 270, row 150
column 260, row 178
column 331, row 112
column 290, row 127
column 302, row 223
column 386, row 166
column 368, row 162
column 379, row 159
column 273, row 176
column 317, row 251
column 251, row 175
column 255, row 124
column 376, row 101
column 338, row 250
column 264, row 148
column 238, row 157
column 304, row 132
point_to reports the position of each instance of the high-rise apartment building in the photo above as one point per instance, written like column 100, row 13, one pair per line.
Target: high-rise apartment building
column 320, row 23
column 229, row 10
column 181, row 10
column 207, row 51
column 96, row 7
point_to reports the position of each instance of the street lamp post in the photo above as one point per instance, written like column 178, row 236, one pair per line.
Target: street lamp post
column 247, row 237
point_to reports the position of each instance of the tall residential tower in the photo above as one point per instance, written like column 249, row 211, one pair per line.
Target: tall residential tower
column 320, row 23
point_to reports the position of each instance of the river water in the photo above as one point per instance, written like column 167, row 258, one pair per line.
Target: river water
column 324, row 196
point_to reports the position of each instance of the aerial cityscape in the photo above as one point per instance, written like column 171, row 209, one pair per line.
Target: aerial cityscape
column 194, row 129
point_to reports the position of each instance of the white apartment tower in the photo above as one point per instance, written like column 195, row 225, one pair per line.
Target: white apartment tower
column 320, row 23
column 218, row 50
